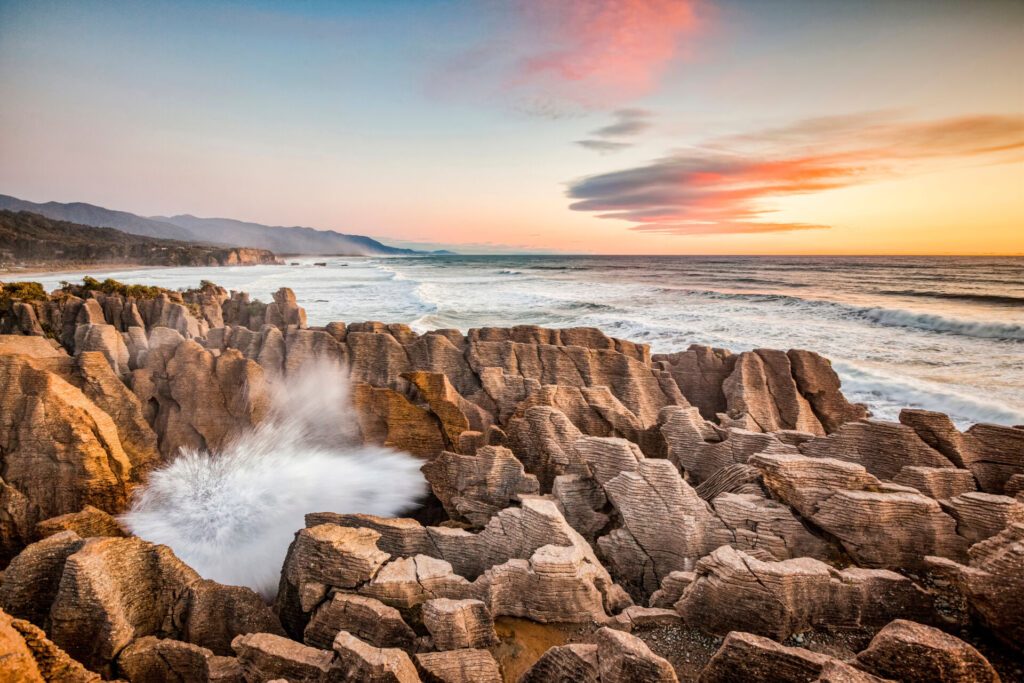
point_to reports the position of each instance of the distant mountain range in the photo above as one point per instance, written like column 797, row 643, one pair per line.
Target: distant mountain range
column 32, row 240
column 221, row 231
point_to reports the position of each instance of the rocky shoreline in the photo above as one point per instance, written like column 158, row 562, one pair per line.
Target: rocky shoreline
column 597, row 513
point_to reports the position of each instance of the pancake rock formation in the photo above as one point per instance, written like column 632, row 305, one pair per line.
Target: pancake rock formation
column 595, row 513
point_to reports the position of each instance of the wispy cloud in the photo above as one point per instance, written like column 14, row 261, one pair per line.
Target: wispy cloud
column 727, row 185
column 576, row 54
column 627, row 123
column 603, row 146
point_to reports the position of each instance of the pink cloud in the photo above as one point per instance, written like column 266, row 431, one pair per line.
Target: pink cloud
column 593, row 49
column 549, row 56
column 727, row 186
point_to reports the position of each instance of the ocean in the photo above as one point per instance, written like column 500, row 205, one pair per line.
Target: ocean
column 941, row 333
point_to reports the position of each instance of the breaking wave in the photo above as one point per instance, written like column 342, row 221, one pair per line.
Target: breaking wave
column 231, row 515
column 938, row 323
column 888, row 394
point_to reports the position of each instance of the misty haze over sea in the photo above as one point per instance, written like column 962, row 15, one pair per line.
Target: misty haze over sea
column 939, row 333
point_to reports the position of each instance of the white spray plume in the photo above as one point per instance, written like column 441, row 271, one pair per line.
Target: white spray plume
column 231, row 515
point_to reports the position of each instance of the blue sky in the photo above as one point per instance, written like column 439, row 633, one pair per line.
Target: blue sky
column 457, row 123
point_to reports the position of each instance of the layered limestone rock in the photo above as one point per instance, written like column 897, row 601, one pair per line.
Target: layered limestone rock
column 666, row 526
column 993, row 453
column 458, row 624
column 911, row 652
column 574, row 662
column 94, row 597
column 388, row 418
column 358, row 661
column 322, row 557
column 59, row 451
column 458, row 666
column 883, row 526
column 993, row 583
column 883, row 448
column 473, row 488
column 543, row 439
column 748, row 657
column 941, row 483
column 732, row 591
column 266, row 657
column 527, row 562
column 28, row 656
column 982, row 515
column 363, row 617
column 155, row 659
column 700, row 449
column 622, row 657
column 196, row 399
column 761, row 387
column 87, row 523
column 514, row 533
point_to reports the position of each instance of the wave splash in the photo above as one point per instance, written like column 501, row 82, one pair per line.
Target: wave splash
column 231, row 515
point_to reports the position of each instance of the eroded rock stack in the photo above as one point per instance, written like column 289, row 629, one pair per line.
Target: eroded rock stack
column 599, row 514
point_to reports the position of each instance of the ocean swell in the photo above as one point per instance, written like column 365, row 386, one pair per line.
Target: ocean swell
column 937, row 323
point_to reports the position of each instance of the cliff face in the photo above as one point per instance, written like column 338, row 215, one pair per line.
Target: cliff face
column 28, row 239
column 657, row 504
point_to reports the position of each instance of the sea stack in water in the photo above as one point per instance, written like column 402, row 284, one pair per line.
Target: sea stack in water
column 596, row 513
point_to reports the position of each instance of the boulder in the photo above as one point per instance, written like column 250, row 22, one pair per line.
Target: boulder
column 164, row 661
column 458, row 624
column 363, row 617
column 993, row 583
column 576, row 663
column 883, row 448
column 622, row 658
column 884, row 526
column 475, row 487
column 265, row 657
column 26, row 654
column 732, row 591
column 87, row 523
column 359, row 661
column 915, row 653
column 748, row 657
column 982, row 515
column 320, row 558
column 941, row 483
column 458, row 666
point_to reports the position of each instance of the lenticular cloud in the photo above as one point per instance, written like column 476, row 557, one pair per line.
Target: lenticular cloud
column 231, row 515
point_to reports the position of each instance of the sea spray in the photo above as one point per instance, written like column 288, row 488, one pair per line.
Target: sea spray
column 231, row 514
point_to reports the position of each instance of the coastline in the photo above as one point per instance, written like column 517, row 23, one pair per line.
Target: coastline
column 86, row 270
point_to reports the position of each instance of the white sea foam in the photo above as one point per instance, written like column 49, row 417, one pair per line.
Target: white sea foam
column 888, row 394
column 231, row 515
column 939, row 323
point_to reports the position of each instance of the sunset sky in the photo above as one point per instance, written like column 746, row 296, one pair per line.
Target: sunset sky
column 598, row 126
